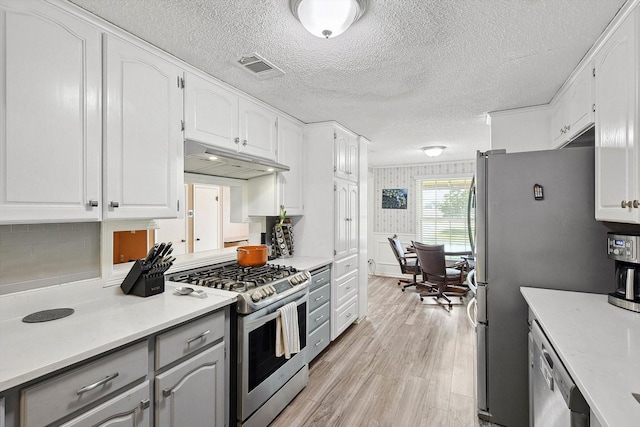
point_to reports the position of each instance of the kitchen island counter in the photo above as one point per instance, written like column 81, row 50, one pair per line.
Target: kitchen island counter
column 105, row 318
column 600, row 347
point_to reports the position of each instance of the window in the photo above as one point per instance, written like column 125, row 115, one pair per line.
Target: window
column 442, row 212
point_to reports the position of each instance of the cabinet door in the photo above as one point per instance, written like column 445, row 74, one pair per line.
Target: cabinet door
column 341, row 229
column 353, row 158
column 290, row 146
column 192, row 393
column 616, row 126
column 258, row 131
column 341, row 153
column 129, row 409
column 580, row 103
column 210, row 113
column 50, row 125
column 558, row 126
column 143, row 135
column 352, row 223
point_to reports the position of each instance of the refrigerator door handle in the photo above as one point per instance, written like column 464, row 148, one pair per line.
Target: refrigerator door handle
column 481, row 296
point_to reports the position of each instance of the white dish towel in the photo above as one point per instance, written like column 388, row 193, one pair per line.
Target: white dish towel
column 287, row 333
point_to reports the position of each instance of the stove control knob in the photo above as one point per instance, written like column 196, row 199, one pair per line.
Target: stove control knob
column 272, row 289
column 264, row 293
column 256, row 296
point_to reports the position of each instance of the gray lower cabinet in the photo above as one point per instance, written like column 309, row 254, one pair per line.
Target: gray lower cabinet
column 129, row 409
column 318, row 323
column 192, row 392
column 177, row 377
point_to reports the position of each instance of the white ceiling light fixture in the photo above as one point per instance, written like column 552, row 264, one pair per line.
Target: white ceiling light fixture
column 327, row 18
column 433, row 151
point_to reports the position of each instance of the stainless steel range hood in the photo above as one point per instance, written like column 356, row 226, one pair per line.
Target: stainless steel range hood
column 203, row 159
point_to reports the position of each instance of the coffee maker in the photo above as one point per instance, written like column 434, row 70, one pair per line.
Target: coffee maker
column 623, row 248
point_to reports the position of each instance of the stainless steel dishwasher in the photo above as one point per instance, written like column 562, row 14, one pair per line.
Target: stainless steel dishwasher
column 556, row 400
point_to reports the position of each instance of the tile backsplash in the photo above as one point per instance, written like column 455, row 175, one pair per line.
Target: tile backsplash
column 39, row 255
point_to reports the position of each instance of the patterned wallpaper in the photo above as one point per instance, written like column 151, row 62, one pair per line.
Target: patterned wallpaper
column 404, row 220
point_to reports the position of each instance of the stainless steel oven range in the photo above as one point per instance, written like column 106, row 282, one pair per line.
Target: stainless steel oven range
column 265, row 383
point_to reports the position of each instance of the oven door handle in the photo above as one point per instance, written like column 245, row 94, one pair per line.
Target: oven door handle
column 254, row 324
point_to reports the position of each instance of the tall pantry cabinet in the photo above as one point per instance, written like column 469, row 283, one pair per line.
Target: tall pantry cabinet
column 331, row 225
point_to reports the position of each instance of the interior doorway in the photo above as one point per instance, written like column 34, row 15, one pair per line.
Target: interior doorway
column 206, row 217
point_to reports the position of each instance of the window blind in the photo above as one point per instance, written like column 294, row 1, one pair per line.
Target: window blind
column 442, row 212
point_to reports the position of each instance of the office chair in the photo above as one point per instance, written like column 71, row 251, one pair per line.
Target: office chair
column 449, row 281
column 408, row 262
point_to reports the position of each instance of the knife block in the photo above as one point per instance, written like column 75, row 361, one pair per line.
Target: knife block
column 141, row 282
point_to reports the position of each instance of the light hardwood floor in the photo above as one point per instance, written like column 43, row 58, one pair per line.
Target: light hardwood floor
column 406, row 364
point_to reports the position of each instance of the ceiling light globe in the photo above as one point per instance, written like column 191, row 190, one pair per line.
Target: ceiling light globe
column 433, row 151
column 327, row 18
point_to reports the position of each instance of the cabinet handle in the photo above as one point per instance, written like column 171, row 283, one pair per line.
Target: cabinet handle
column 182, row 240
column 144, row 404
column 96, row 384
column 114, row 204
column 236, row 140
column 244, row 142
column 319, row 298
column 202, row 335
column 166, row 392
column 93, row 203
column 626, row 204
column 320, row 342
column 636, row 203
column 319, row 318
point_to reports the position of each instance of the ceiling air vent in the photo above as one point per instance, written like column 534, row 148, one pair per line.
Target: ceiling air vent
column 259, row 67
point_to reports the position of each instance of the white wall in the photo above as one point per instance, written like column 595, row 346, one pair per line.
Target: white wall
column 524, row 129
column 403, row 222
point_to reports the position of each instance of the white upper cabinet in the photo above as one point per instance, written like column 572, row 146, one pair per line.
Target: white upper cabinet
column 617, row 152
column 258, row 131
column 50, row 135
column 217, row 116
column 290, row 153
column 573, row 112
column 346, row 155
column 142, row 134
column 210, row 113
column 269, row 194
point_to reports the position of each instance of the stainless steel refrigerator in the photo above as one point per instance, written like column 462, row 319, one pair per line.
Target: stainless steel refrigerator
column 535, row 227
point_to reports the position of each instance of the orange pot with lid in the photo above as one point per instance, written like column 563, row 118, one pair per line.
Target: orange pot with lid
column 252, row 256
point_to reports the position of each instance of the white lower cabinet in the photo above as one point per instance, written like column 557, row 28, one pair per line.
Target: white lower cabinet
column 192, row 393
column 344, row 299
column 129, row 409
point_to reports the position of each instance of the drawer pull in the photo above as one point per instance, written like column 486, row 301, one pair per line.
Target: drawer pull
column 348, row 315
column 320, row 342
column 348, row 287
column 319, row 298
column 202, row 335
column 320, row 280
column 348, row 265
column 96, row 384
column 319, row 318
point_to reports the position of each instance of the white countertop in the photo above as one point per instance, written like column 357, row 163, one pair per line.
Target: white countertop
column 104, row 319
column 600, row 346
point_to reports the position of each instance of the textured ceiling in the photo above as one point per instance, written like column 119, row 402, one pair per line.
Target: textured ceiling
column 408, row 74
